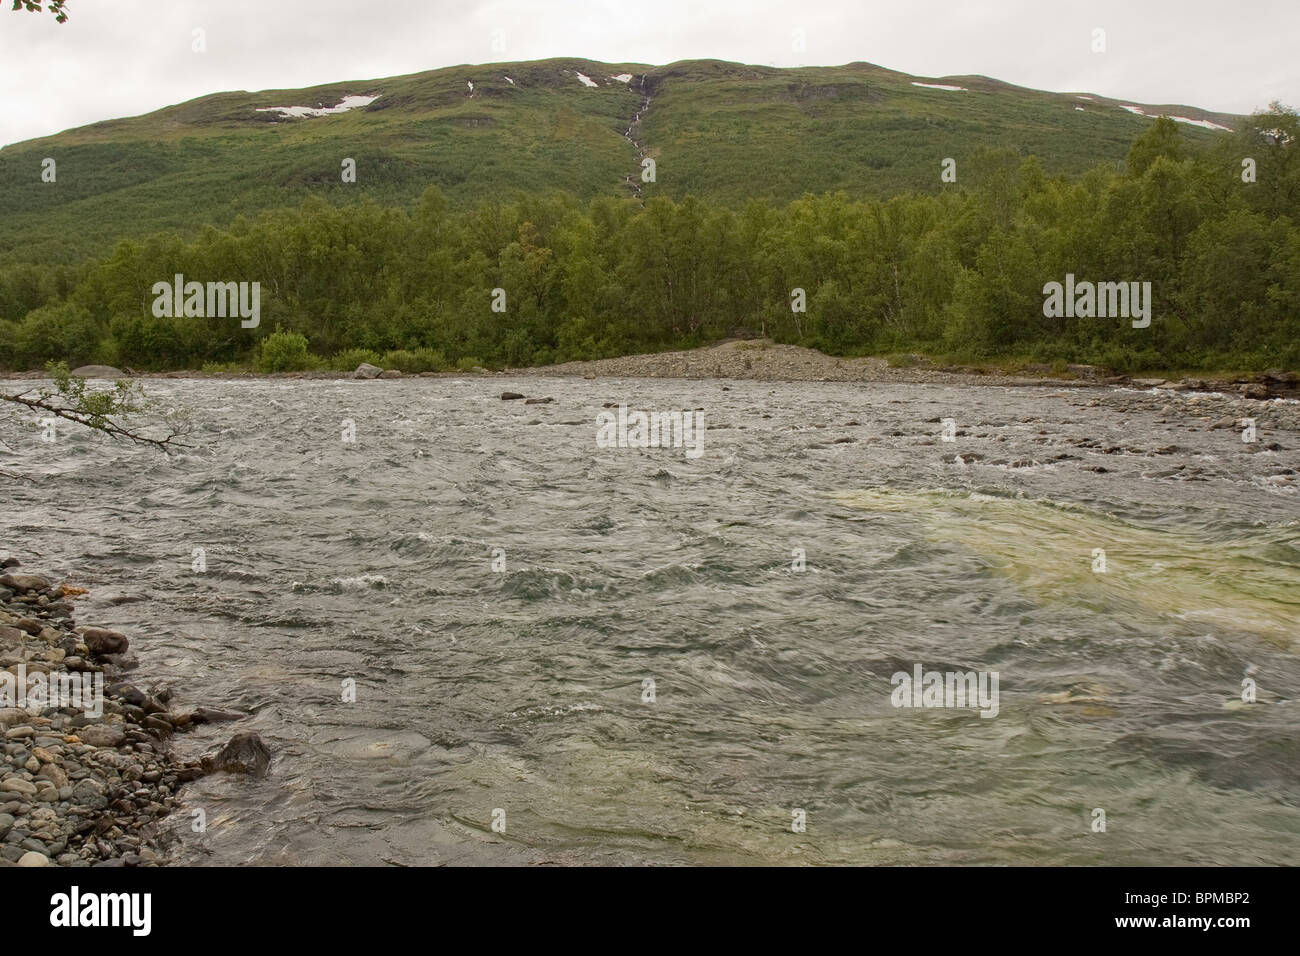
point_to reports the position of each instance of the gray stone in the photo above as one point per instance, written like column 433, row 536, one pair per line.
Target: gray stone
column 98, row 371
column 102, row 735
column 33, row 859
column 366, row 370
column 390, row 373
column 24, row 582
column 18, row 785
column 90, row 794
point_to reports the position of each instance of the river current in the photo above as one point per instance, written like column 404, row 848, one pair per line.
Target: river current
column 632, row 655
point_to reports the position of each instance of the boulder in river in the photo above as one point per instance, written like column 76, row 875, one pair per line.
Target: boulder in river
column 103, row 641
column 390, row 373
column 510, row 396
column 366, row 370
column 246, row 753
column 98, row 371
column 211, row 715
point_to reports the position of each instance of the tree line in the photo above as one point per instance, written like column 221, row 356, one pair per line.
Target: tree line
column 958, row 274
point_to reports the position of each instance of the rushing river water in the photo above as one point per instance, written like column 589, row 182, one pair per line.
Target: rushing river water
column 525, row 689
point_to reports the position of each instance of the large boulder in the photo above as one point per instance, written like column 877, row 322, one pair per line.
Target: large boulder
column 366, row 370
column 390, row 373
column 246, row 753
column 98, row 371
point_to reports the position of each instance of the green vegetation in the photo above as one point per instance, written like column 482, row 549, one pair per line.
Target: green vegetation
column 958, row 272
column 285, row 352
column 723, row 132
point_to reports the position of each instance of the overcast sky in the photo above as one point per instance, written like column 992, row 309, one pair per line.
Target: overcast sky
column 125, row 57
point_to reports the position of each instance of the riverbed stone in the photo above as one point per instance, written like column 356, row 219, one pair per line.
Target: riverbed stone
column 19, row 786
column 98, row 371
column 24, row 582
column 366, row 370
column 102, row 735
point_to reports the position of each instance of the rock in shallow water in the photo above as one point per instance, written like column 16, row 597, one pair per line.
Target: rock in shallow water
column 246, row 753
column 103, row 641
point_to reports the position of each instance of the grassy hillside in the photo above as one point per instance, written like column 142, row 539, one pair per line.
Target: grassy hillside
column 722, row 131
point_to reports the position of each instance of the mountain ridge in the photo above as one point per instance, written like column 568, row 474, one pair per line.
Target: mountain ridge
column 720, row 130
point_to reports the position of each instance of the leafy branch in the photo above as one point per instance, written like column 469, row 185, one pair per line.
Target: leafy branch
column 34, row 6
column 104, row 410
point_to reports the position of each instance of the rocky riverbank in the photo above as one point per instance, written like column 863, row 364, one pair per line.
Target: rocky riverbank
column 764, row 360
column 87, row 772
column 767, row 361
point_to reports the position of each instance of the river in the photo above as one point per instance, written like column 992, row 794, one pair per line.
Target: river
column 618, row 654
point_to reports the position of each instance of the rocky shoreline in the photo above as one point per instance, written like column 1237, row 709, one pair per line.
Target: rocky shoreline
column 767, row 361
column 87, row 773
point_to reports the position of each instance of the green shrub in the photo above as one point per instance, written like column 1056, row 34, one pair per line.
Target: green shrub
column 467, row 363
column 349, row 359
column 64, row 331
column 413, row 361
column 285, row 352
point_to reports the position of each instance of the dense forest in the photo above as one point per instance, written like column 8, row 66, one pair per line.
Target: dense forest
column 959, row 273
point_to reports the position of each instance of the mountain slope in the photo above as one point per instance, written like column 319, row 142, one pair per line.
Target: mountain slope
column 724, row 131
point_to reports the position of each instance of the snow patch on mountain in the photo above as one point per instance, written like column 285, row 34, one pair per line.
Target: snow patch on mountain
column 1204, row 124
column 586, row 80
column 940, row 86
column 347, row 103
